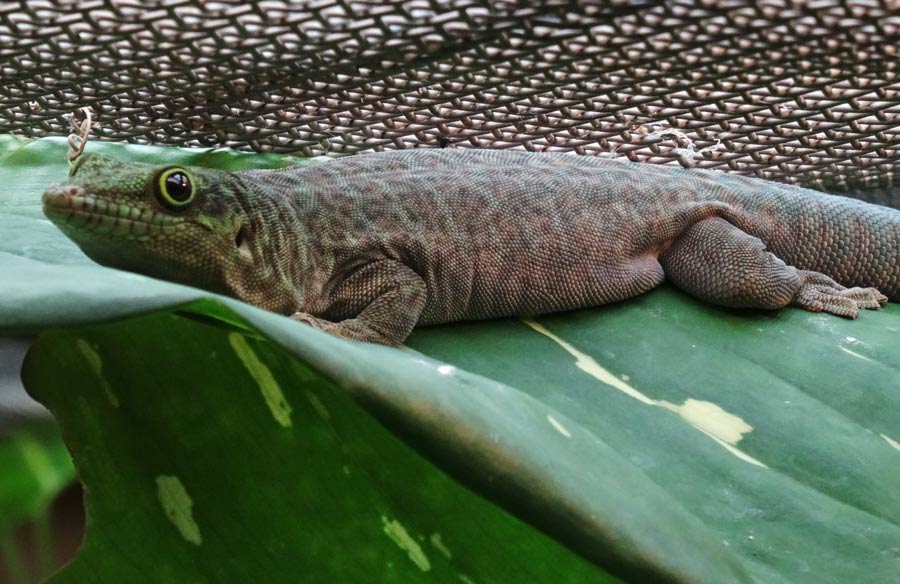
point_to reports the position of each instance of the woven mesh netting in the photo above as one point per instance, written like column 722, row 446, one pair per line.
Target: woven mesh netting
column 799, row 91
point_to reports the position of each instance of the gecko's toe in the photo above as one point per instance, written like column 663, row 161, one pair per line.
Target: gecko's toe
column 820, row 296
column 834, row 303
column 869, row 298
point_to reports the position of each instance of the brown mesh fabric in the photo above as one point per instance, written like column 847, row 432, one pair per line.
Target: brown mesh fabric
column 800, row 91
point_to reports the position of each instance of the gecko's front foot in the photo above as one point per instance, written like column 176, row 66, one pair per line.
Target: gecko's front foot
column 311, row 320
column 353, row 329
column 819, row 293
column 332, row 328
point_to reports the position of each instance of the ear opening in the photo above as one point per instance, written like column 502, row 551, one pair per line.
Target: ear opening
column 242, row 241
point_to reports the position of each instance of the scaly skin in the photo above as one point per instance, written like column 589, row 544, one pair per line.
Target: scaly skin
column 368, row 246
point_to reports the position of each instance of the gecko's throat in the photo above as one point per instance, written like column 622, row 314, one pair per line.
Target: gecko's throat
column 77, row 212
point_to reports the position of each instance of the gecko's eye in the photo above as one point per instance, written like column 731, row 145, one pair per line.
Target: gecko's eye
column 175, row 189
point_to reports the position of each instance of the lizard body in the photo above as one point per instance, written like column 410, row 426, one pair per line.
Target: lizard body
column 368, row 246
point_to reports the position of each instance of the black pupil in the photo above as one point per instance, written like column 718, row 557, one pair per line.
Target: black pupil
column 178, row 186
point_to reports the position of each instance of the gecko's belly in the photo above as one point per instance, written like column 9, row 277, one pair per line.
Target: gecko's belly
column 535, row 288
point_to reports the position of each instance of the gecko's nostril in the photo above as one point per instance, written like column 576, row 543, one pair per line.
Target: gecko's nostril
column 60, row 195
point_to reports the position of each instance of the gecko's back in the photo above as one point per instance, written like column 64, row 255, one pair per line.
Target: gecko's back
column 492, row 233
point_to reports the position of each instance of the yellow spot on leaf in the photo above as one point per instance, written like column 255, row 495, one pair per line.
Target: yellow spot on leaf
column 854, row 354
column 725, row 428
column 177, row 505
column 318, row 405
column 438, row 543
column 559, row 427
column 278, row 405
column 710, row 418
column 854, row 341
column 401, row 537
column 890, row 441
column 96, row 364
column 587, row 364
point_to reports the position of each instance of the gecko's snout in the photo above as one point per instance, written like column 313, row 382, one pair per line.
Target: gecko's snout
column 60, row 195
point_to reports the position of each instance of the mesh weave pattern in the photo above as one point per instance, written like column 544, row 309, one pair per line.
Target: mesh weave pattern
column 799, row 91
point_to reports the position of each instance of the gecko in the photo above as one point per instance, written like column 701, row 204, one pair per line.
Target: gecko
column 368, row 246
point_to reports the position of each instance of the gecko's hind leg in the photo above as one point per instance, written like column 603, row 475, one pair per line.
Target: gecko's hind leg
column 717, row 262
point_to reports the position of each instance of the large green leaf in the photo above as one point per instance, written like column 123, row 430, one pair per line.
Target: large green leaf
column 657, row 440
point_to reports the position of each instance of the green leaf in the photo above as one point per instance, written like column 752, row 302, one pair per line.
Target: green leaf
column 34, row 468
column 251, row 465
column 655, row 440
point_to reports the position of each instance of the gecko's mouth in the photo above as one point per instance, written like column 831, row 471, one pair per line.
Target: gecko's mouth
column 70, row 208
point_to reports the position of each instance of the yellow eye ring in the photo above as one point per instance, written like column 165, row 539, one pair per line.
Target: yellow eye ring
column 175, row 188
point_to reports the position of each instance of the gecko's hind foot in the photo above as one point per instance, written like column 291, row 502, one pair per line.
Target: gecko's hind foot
column 819, row 293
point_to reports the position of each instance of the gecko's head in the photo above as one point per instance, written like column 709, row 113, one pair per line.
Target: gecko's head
column 177, row 223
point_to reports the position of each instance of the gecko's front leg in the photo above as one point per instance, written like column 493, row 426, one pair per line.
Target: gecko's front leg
column 379, row 303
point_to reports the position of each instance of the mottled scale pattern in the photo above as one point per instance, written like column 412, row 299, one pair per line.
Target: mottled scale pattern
column 368, row 246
